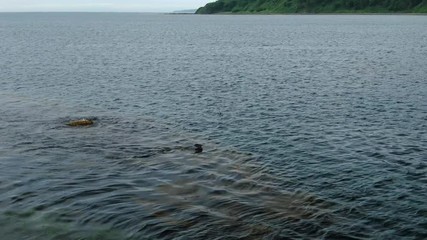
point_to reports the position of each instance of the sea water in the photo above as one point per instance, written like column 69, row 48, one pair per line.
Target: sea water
column 312, row 126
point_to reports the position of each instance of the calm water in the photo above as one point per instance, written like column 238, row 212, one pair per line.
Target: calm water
column 313, row 127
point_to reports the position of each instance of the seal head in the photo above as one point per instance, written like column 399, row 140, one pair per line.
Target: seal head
column 198, row 148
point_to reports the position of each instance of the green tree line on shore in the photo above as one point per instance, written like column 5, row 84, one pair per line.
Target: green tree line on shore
column 314, row 6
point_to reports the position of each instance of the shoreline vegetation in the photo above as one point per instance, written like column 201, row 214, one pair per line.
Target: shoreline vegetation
column 315, row 7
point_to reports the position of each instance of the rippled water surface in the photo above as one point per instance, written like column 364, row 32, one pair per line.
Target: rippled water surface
column 312, row 126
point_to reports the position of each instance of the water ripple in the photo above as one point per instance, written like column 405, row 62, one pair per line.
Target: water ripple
column 313, row 127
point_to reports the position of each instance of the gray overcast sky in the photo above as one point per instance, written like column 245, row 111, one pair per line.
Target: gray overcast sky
column 100, row 5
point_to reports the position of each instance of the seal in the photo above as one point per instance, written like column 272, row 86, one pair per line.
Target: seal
column 80, row 122
column 198, row 149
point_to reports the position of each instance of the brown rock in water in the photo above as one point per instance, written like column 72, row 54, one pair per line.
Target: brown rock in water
column 80, row 122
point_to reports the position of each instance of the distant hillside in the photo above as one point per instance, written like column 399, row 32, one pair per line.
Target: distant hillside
column 314, row 6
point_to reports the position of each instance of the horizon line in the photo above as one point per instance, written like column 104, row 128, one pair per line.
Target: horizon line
column 94, row 11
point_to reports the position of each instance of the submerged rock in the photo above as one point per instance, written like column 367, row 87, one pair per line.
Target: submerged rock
column 80, row 122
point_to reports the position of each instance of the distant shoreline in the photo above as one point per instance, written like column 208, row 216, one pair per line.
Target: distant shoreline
column 332, row 13
column 299, row 14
